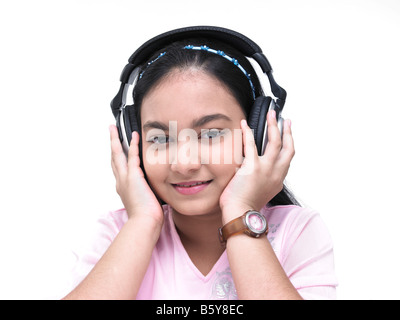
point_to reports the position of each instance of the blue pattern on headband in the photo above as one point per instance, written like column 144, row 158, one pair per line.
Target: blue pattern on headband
column 218, row 52
column 152, row 61
column 225, row 56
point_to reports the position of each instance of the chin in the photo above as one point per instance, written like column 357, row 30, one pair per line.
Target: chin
column 195, row 208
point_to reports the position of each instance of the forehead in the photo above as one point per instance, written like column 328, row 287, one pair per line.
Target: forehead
column 185, row 95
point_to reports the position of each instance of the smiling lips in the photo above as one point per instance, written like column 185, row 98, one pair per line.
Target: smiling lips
column 191, row 187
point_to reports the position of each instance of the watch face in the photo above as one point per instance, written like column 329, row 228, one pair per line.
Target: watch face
column 256, row 222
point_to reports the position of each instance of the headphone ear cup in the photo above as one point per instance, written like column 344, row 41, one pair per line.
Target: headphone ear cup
column 257, row 120
column 132, row 124
column 130, row 112
column 126, row 123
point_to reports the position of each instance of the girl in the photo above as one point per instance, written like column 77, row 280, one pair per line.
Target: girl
column 191, row 104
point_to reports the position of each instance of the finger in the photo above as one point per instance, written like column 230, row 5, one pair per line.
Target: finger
column 133, row 155
column 115, row 172
column 118, row 158
column 249, row 145
column 274, row 138
column 287, row 152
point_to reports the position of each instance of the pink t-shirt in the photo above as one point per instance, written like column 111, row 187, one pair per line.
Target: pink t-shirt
column 298, row 236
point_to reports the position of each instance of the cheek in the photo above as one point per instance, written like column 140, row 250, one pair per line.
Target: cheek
column 226, row 150
column 155, row 164
column 156, row 176
column 224, row 160
column 223, row 174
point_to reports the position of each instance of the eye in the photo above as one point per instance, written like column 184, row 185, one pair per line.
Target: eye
column 160, row 139
column 209, row 134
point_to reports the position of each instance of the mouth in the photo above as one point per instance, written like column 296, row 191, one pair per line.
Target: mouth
column 191, row 187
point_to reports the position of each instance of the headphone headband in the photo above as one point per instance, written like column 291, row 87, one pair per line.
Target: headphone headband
column 235, row 39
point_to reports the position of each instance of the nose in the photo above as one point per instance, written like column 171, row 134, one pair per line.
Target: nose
column 185, row 157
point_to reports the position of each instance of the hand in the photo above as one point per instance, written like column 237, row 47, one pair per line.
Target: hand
column 259, row 178
column 131, row 185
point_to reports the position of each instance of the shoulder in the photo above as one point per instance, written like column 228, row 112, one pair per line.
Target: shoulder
column 304, row 248
column 293, row 224
column 295, row 219
column 290, row 215
column 115, row 220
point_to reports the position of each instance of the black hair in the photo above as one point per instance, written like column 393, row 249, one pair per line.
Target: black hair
column 174, row 57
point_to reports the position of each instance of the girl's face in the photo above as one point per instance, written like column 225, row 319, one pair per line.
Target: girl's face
column 192, row 142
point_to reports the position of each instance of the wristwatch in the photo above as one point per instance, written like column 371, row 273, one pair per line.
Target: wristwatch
column 251, row 223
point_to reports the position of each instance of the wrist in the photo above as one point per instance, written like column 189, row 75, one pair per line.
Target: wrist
column 230, row 213
column 148, row 225
column 147, row 215
column 252, row 223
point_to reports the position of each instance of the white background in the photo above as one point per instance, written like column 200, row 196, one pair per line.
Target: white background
column 59, row 68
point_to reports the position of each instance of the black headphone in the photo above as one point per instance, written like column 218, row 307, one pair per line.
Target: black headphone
column 125, row 115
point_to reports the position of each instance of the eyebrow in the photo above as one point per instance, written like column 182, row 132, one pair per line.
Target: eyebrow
column 195, row 123
column 208, row 118
column 155, row 125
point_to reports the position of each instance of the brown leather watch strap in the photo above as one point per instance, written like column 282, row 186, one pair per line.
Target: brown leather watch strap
column 231, row 228
column 242, row 224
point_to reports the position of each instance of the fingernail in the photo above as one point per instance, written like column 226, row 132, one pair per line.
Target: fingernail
column 273, row 113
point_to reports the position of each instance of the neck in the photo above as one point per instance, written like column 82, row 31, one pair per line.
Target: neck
column 199, row 230
column 199, row 236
